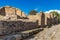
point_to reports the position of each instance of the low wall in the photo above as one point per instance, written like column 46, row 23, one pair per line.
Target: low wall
column 8, row 27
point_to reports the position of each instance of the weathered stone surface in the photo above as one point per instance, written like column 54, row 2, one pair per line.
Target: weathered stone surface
column 52, row 33
column 8, row 27
column 13, row 20
column 11, row 13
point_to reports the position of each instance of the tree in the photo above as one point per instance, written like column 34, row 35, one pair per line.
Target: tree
column 57, row 14
column 33, row 12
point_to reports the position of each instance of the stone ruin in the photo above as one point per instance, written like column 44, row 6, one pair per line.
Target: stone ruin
column 13, row 19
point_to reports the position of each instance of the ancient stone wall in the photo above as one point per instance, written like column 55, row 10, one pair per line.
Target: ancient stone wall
column 2, row 11
column 20, row 13
column 11, row 12
column 17, row 20
column 7, row 27
column 40, row 17
column 47, row 19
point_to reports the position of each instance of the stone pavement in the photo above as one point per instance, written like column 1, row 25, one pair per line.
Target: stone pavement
column 52, row 33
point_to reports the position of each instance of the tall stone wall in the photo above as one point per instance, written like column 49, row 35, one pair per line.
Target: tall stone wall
column 44, row 19
column 2, row 11
column 40, row 17
column 11, row 12
column 47, row 19
column 20, row 13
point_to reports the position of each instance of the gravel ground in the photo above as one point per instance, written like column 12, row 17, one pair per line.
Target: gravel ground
column 52, row 33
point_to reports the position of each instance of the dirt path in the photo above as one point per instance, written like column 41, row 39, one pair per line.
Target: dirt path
column 52, row 33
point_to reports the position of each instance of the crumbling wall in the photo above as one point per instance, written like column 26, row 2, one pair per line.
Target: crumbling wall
column 40, row 17
column 8, row 27
column 20, row 13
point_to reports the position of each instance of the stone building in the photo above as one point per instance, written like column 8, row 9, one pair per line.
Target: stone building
column 12, row 13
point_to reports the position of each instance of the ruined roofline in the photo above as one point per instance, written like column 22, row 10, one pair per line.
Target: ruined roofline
column 21, row 10
column 10, row 7
column 5, row 6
